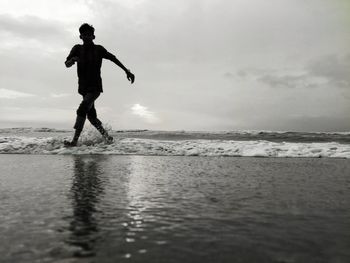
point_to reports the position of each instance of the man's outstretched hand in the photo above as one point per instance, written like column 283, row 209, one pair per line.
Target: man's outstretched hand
column 71, row 62
column 130, row 76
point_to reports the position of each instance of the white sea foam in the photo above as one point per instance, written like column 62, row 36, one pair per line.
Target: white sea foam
column 127, row 146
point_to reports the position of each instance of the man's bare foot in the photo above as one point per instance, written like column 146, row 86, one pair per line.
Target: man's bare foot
column 108, row 138
column 70, row 144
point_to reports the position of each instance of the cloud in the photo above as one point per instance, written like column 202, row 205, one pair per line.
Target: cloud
column 31, row 27
column 329, row 70
column 31, row 116
column 189, row 44
column 144, row 113
column 65, row 11
column 291, row 80
column 228, row 75
column 332, row 67
column 13, row 94
column 60, row 95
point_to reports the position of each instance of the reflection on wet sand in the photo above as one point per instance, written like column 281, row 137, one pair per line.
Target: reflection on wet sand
column 146, row 215
column 85, row 193
column 173, row 209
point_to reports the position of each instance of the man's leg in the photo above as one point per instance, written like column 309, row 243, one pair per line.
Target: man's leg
column 82, row 111
column 92, row 117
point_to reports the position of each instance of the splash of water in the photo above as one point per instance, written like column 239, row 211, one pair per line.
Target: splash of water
column 91, row 136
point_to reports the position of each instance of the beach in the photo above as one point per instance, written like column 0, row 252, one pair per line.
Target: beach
column 133, row 208
column 175, row 131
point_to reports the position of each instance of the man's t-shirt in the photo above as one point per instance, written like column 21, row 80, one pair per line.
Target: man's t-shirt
column 89, row 66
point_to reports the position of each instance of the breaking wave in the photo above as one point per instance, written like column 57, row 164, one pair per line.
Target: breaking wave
column 94, row 144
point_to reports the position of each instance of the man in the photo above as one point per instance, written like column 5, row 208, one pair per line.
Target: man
column 89, row 59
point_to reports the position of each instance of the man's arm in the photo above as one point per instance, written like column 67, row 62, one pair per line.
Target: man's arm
column 111, row 57
column 71, row 61
column 72, row 57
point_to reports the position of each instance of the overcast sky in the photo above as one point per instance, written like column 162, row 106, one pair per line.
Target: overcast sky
column 199, row 64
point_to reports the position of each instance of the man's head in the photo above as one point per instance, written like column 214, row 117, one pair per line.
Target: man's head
column 87, row 32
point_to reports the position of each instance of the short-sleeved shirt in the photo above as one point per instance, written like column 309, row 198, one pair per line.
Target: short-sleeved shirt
column 89, row 66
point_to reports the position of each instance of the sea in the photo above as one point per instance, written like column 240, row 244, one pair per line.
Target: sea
column 174, row 196
column 29, row 140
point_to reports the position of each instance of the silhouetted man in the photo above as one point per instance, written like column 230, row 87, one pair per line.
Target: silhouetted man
column 89, row 58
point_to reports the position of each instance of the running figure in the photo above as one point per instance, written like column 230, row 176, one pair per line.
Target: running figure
column 89, row 58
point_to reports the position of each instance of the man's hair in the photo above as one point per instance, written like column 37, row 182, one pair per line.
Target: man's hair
column 86, row 28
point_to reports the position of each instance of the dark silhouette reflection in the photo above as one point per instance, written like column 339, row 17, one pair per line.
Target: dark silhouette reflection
column 85, row 194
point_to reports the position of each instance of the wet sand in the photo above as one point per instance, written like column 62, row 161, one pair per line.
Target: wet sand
column 96, row 208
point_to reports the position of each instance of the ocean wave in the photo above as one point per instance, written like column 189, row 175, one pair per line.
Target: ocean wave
column 136, row 146
column 25, row 130
column 272, row 136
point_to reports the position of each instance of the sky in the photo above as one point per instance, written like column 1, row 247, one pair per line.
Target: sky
column 215, row 65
